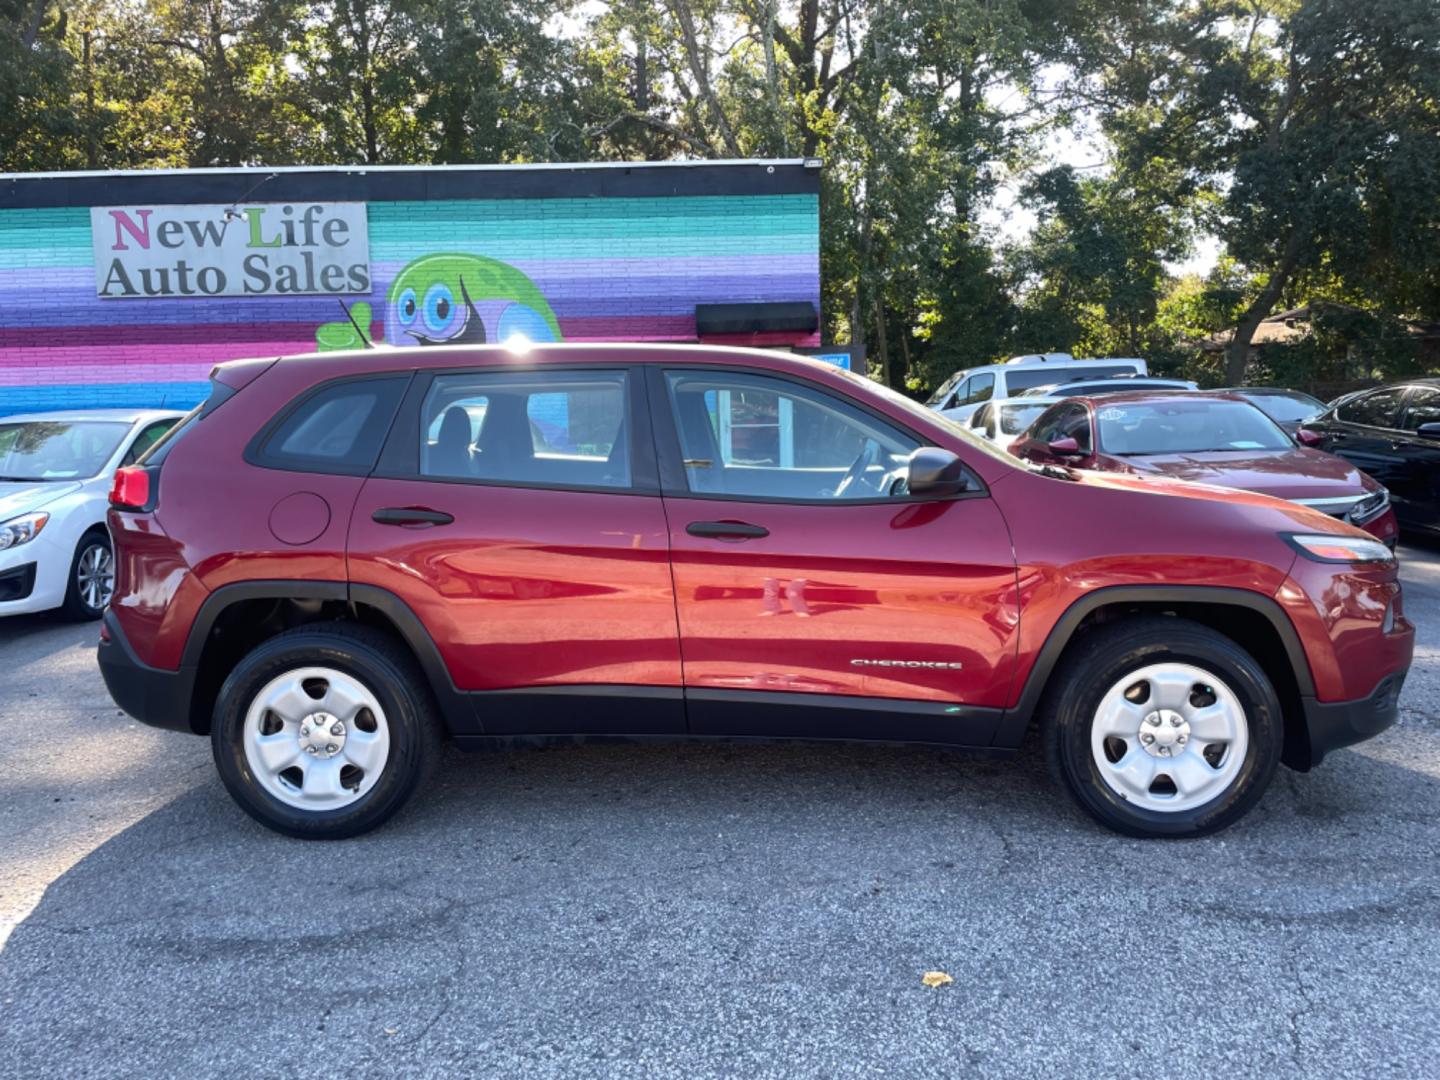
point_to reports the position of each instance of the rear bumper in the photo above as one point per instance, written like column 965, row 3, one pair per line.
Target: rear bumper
column 153, row 696
column 1332, row 725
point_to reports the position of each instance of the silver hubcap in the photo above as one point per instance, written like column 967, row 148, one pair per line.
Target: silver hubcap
column 1169, row 737
column 95, row 576
column 316, row 738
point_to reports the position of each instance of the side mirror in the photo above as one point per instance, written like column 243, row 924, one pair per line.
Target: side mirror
column 1066, row 447
column 1306, row 437
column 1429, row 431
column 936, row 472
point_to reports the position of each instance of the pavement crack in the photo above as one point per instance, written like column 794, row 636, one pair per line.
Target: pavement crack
column 1293, row 1016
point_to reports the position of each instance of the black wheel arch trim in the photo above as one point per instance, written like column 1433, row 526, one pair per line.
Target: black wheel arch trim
column 1011, row 730
column 454, row 704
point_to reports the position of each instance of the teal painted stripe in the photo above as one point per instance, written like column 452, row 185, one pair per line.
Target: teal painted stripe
column 429, row 230
column 565, row 248
column 506, row 228
column 506, row 246
column 582, row 209
column 41, row 256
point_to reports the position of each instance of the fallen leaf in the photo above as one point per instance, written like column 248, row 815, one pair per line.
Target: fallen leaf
column 936, row 978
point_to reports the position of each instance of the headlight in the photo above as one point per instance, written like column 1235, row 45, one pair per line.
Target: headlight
column 21, row 530
column 1369, row 507
column 1323, row 547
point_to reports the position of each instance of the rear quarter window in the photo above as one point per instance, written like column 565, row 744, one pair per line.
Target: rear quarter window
column 339, row 428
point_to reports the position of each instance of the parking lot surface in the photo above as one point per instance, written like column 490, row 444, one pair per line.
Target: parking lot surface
column 705, row 910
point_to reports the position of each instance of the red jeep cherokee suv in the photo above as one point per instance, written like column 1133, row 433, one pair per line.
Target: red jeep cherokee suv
column 340, row 559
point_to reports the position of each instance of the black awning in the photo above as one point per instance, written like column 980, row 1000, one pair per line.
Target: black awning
column 798, row 316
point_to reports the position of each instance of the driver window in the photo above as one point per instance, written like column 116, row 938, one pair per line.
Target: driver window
column 752, row 436
column 1076, row 424
column 982, row 388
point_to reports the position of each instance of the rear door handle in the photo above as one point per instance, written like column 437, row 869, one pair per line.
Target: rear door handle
column 726, row 530
column 411, row 515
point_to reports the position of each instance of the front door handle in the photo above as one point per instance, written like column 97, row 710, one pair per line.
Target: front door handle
column 411, row 515
column 726, row 530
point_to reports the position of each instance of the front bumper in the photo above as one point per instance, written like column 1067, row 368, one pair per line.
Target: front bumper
column 153, row 696
column 33, row 576
column 1332, row 725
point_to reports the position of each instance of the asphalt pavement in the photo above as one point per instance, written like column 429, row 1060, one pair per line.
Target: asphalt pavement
column 710, row 910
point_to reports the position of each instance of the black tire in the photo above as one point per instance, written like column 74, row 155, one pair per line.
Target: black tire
column 1106, row 655
column 387, row 670
column 76, row 608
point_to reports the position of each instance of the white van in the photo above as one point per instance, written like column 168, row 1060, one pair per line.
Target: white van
column 965, row 391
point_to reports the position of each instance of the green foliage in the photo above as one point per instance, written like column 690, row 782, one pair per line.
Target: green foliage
column 1303, row 135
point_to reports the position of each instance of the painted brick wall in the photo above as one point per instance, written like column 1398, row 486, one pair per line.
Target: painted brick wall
column 610, row 268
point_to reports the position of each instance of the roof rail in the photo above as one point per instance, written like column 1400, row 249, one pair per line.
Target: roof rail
column 1042, row 358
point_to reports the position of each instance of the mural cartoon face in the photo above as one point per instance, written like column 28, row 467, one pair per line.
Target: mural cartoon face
column 451, row 299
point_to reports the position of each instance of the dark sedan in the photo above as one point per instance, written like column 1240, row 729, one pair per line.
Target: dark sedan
column 1393, row 433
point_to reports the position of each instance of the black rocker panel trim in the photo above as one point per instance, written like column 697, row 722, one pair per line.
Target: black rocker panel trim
column 766, row 714
column 580, row 711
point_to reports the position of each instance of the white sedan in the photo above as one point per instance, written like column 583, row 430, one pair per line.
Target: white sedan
column 55, row 473
column 1002, row 422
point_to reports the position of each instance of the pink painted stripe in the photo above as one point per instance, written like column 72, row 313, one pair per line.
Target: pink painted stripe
column 97, row 364
column 101, row 361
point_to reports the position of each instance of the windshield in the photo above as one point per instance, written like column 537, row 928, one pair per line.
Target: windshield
column 1016, row 418
column 1186, row 427
column 1287, row 408
column 944, row 388
column 1027, row 378
column 58, row 450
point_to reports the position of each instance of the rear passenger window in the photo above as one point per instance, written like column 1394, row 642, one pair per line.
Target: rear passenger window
column 339, row 429
column 546, row 429
column 1379, row 409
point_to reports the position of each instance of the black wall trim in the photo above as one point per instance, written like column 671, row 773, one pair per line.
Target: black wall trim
column 775, row 316
column 1017, row 719
column 640, row 180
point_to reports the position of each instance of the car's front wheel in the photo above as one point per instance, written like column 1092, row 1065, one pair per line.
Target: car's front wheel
column 1162, row 727
column 92, row 577
column 324, row 732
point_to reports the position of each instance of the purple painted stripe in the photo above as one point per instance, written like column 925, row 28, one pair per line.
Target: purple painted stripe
column 589, row 298
column 107, row 362
column 83, row 278
column 41, row 300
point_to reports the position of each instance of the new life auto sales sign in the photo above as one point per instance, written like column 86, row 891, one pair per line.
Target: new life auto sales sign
column 267, row 249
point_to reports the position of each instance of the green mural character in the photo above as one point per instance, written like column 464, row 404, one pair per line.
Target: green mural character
column 448, row 299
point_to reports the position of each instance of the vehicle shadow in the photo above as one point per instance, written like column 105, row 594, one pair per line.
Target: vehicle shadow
column 13, row 627
column 574, row 907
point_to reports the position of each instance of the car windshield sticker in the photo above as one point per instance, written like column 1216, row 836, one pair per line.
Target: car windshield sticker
column 1112, row 414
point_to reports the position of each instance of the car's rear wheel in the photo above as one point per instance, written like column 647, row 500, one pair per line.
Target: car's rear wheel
column 1162, row 727
column 92, row 577
column 324, row 732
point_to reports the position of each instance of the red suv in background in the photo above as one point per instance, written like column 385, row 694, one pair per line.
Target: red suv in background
column 1207, row 438
column 340, row 559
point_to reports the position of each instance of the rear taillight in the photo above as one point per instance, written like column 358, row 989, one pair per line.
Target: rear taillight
column 133, row 488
